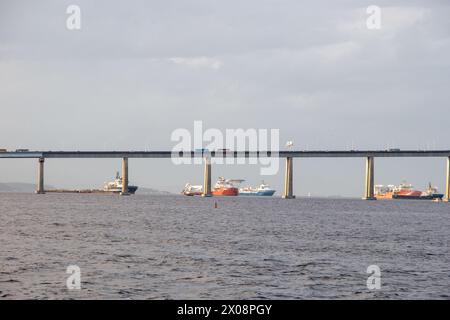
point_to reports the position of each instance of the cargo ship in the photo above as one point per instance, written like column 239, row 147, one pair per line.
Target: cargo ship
column 262, row 190
column 226, row 187
column 406, row 191
column 113, row 187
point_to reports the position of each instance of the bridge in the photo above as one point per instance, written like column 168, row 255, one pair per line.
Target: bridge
column 369, row 155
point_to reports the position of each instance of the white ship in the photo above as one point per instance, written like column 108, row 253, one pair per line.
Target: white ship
column 116, row 186
column 190, row 190
column 262, row 190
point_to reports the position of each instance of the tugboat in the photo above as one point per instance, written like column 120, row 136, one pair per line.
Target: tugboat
column 226, row 187
column 432, row 193
column 116, row 186
column 262, row 190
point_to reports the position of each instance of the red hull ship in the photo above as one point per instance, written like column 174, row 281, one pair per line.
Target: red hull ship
column 406, row 191
column 225, row 187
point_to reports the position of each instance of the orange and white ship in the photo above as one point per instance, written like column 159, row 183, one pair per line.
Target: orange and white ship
column 226, row 187
column 406, row 191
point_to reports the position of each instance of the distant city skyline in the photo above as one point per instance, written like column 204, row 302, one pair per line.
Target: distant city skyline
column 137, row 71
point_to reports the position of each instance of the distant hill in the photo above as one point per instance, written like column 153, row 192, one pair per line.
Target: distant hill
column 19, row 187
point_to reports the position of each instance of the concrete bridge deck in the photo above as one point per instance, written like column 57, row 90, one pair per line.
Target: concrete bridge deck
column 227, row 154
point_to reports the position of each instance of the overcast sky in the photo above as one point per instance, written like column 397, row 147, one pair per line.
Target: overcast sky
column 138, row 70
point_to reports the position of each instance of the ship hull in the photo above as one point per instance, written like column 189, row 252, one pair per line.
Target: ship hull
column 131, row 190
column 191, row 194
column 265, row 193
column 421, row 197
column 410, row 197
column 225, row 192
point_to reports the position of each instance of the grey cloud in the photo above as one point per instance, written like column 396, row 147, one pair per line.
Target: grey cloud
column 137, row 70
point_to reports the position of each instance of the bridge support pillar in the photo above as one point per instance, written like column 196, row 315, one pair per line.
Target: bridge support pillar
column 207, row 178
column 40, row 185
column 447, row 182
column 124, row 177
column 369, row 193
column 288, row 180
